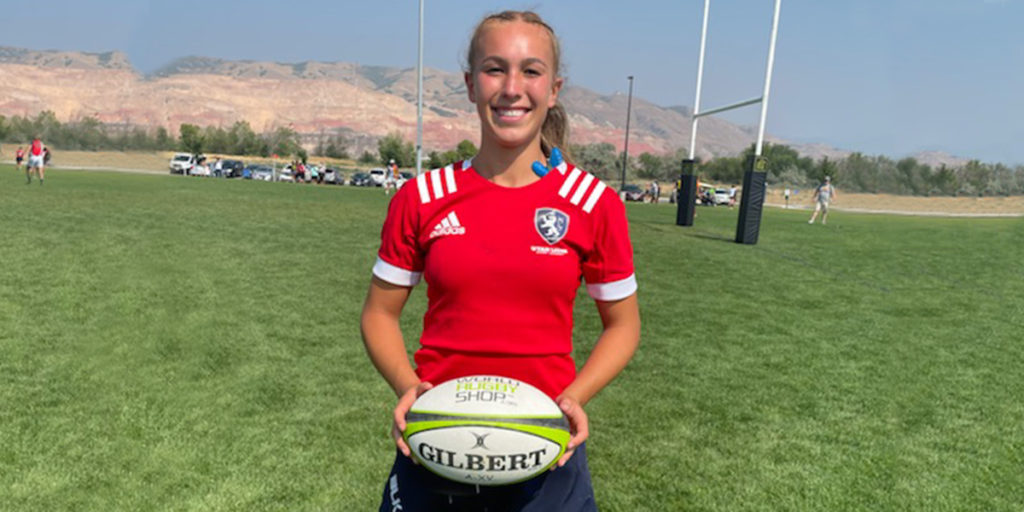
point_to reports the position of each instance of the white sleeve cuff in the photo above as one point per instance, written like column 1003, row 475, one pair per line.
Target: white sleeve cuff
column 614, row 290
column 395, row 275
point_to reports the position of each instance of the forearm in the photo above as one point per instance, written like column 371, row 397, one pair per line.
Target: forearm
column 383, row 340
column 613, row 351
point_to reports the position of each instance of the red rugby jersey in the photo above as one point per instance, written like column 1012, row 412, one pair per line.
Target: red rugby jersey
column 502, row 267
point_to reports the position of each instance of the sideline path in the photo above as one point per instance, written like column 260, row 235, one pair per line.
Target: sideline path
column 900, row 212
column 894, row 212
column 104, row 168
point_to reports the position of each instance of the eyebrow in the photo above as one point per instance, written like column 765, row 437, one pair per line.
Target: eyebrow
column 527, row 61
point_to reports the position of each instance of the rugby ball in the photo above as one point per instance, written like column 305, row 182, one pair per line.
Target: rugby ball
column 486, row 430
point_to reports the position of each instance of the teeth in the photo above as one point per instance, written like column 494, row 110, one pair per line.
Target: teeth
column 506, row 112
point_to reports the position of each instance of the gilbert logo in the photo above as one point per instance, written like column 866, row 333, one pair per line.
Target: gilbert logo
column 448, row 226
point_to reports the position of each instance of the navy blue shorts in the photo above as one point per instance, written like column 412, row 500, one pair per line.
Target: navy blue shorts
column 411, row 488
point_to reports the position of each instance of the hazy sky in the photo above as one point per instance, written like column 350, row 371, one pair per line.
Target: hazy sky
column 887, row 77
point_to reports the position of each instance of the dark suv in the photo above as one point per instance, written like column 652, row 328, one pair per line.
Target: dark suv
column 232, row 168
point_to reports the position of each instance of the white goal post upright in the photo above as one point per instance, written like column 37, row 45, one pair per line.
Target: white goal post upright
column 753, row 185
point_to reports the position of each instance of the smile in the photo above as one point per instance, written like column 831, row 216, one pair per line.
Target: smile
column 510, row 114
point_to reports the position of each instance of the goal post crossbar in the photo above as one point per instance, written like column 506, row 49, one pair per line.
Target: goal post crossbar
column 763, row 99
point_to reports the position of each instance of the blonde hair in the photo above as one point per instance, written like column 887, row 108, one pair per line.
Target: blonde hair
column 555, row 130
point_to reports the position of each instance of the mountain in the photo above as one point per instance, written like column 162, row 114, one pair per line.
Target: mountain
column 359, row 102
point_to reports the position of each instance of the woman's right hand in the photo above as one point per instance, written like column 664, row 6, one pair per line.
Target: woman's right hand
column 404, row 404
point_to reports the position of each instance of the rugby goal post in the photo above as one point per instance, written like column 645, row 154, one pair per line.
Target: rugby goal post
column 752, row 197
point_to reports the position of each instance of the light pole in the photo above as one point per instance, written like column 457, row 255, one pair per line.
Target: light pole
column 625, row 147
column 419, row 99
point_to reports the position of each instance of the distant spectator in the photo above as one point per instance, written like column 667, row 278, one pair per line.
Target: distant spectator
column 823, row 196
column 218, row 168
column 786, row 195
column 390, row 177
column 655, row 192
column 36, row 161
column 732, row 195
column 19, row 157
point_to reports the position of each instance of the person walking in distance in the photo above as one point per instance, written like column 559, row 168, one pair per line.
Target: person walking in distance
column 502, row 241
column 36, row 155
column 823, row 196
column 391, row 177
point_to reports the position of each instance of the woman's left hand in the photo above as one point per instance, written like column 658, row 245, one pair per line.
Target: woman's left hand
column 579, row 427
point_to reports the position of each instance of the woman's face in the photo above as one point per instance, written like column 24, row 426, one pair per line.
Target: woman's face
column 513, row 82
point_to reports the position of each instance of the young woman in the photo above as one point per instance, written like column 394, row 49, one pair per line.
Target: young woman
column 503, row 247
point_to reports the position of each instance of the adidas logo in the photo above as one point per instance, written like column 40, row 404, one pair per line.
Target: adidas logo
column 448, row 226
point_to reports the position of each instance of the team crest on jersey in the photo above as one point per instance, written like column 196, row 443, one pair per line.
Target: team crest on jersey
column 551, row 224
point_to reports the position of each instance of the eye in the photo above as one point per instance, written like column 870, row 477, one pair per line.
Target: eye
column 493, row 70
column 532, row 72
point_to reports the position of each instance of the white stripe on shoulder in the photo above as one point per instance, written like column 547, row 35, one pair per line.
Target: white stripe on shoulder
column 615, row 290
column 395, row 275
column 594, row 196
column 569, row 182
column 449, row 178
column 562, row 167
column 582, row 189
column 435, row 183
column 421, row 185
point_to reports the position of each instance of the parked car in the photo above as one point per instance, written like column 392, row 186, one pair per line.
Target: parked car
column 361, row 179
column 200, row 169
column 378, row 176
column 231, row 168
column 181, row 163
column 286, row 174
column 261, row 172
column 632, row 192
column 333, row 176
column 709, row 195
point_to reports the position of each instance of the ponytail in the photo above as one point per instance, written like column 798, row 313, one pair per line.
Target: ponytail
column 555, row 132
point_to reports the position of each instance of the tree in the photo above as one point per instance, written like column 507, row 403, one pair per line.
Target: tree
column 598, row 159
column 367, row 158
column 650, row 166
column 283, row 141
column 163, row 139
column 190, row 139
column 434, row 161
column 465, row 150
column 242, row 140
column 334, row 147
column 393, row 146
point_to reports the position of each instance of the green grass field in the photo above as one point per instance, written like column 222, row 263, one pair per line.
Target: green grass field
column 171, row 343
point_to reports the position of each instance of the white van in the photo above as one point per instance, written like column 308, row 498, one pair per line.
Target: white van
column 181, row 163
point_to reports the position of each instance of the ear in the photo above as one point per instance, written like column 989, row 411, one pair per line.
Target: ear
column 468, row 77
column 556, row 87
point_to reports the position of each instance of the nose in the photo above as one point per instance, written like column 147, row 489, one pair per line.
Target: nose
column 513, row 86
